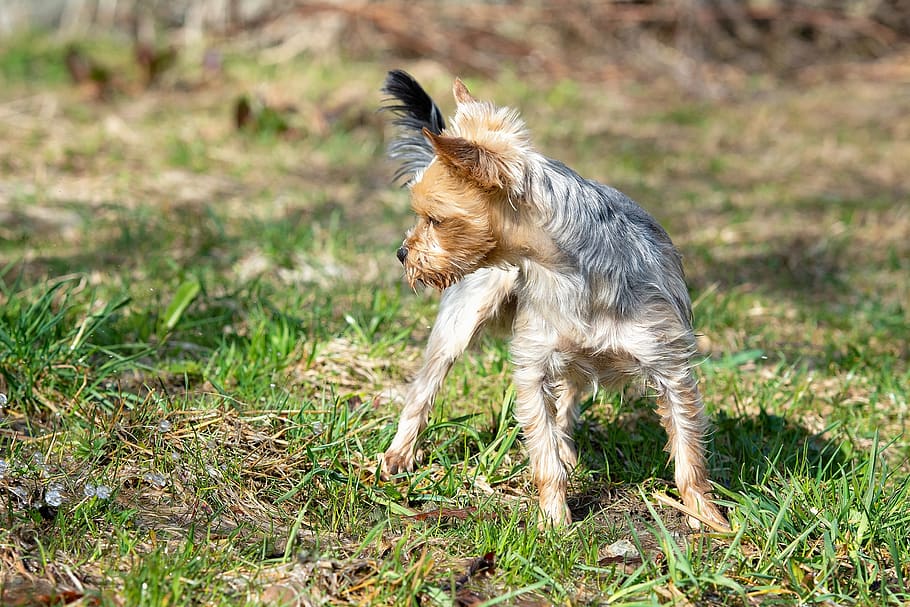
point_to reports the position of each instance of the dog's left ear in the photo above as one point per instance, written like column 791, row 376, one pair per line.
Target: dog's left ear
column 470, row 160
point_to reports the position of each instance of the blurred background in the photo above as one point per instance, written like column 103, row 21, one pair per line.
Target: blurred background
column 694, row 41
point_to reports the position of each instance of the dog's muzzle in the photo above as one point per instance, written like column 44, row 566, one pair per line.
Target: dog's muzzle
column 402, row 253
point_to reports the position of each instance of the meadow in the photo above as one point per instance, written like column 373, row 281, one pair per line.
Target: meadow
column 204, row 333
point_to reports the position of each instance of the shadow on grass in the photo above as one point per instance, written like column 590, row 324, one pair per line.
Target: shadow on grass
column 620, row 452
column 146, row 240
column 819, row 253
column 798, row 267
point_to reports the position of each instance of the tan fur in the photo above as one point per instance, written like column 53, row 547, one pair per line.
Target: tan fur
column 453, row 235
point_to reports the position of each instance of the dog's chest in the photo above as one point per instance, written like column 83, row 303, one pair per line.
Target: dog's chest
column 557, row 301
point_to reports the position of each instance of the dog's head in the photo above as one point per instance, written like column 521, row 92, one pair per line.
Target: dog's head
column 467, row 194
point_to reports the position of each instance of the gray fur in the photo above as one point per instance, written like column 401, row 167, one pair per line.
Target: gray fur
column 622, row 253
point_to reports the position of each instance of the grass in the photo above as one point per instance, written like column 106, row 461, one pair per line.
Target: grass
column 203, row 334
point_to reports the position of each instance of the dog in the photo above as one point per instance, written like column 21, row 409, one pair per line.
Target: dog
column 590, row 283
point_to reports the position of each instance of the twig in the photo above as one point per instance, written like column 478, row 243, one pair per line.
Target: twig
column 666, row 500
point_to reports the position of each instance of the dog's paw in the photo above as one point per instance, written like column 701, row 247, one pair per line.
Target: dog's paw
column 711, row 515
column 395, row 463
column 553, row 514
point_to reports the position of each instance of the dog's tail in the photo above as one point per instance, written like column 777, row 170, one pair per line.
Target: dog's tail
column 414, row 111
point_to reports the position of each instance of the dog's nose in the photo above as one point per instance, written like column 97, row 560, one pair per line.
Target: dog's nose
column 402, row 253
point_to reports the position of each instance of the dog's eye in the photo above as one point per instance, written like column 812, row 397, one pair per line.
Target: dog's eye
column 433, row 221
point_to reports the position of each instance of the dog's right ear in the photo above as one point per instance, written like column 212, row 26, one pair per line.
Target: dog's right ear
column 485, row 144
column 472, row 161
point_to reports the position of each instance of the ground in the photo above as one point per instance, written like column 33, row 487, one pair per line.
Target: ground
column 204, row 333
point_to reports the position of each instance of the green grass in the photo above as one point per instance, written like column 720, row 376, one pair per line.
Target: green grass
column 211, row 326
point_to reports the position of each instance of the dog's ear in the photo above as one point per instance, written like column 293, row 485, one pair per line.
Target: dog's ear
column 470, row 160
column 461, row 93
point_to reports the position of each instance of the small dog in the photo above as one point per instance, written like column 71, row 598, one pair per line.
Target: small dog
column 590, row 283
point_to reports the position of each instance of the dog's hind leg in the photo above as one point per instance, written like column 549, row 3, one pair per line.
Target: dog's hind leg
column 659, row 346
column 682, row 415
column 664, row 353
column 567, row 395
column 466, row 307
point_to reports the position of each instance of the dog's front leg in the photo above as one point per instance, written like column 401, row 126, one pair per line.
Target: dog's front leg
column 539, row 385
column 463, row 311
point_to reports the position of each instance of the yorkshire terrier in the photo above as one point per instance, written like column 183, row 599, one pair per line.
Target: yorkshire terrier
column 589, row 282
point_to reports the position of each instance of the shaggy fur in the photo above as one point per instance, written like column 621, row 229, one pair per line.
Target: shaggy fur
column 590, row 283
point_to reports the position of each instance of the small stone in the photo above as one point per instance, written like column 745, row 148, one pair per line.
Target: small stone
column 53, row 496
column 21, row 492
column 155, row 479
column 622, row 549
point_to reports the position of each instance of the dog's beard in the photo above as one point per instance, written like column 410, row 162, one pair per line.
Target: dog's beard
column 436, row 280
column 437, row 275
